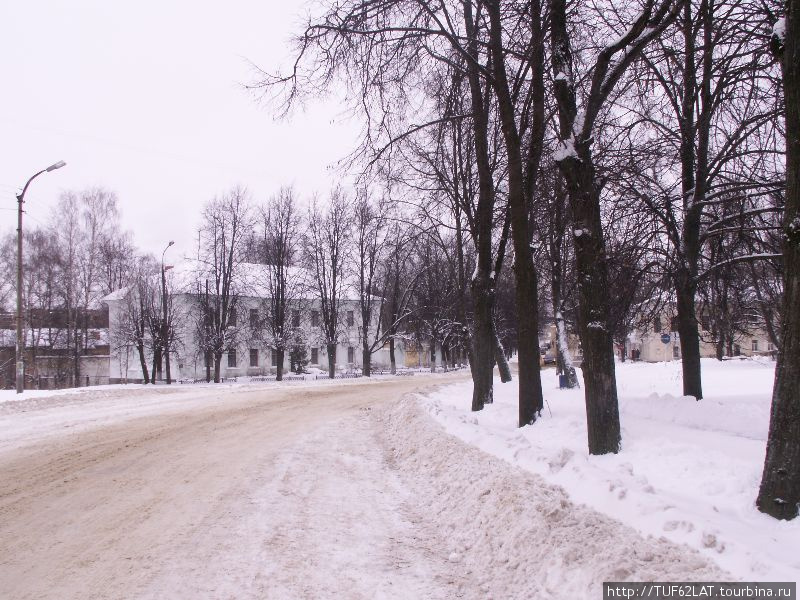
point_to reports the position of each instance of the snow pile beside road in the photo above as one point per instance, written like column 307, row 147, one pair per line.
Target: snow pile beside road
column 688, row 471
column 518, row 536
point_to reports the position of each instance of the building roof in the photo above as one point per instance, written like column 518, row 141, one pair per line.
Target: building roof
column 252, row 280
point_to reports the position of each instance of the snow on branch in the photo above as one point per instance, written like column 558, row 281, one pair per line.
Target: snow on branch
column 735, row 260
column 565, row 150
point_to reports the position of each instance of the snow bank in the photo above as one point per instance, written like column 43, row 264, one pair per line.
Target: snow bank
column 520, row 537
column 688, row 470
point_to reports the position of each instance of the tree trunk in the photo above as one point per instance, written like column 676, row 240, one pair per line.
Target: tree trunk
column 76, row 365
column 690, row 338
column 208, row 365
column 392, row 360
column 366, row 361
column 156, row 371
column 563, row 354
column 531, row 400
column 482, row 356
column 500, row 359
column 279, row 366
column 694, row 171
column 602, row 408
column 779, row 495
column 143, row 362
column 482, row 346
column 217, row 366
column 331, row 360
column 158, row 355
column 166, row 363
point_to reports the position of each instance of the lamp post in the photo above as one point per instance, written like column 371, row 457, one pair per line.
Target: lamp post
column 164, row 324
column 20, row 329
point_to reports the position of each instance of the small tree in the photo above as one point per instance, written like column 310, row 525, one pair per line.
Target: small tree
column 298, row 354
column 133, row 328
column 370, row 240
column 224, row 229
column 329, row 230
column 276, row 247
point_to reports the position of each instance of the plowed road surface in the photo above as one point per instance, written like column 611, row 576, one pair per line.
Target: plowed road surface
column 220, row 494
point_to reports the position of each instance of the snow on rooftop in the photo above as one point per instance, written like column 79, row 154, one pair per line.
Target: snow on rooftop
column 252, row 280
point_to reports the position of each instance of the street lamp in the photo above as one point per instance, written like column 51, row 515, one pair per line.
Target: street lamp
column 20, row 328
column 164, row 324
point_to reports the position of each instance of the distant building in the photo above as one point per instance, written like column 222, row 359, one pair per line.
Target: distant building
column 249, row 354
column 52, row 349
column 660, row 341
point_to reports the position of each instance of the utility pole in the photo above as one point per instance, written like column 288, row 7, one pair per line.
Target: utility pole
column 164, row 324
column 20, row 320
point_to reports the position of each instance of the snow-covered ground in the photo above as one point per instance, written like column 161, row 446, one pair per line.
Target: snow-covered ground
column 688, row 471
column 36, row 414
column 345, row 489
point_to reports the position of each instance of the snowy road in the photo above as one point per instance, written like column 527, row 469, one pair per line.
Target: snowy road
column 336, row 491
column 252, row 495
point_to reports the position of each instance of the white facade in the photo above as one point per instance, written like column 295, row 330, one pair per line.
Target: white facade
column 249, row 353
column 647, row 345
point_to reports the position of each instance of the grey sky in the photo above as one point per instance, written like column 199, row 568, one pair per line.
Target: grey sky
column 145, row 99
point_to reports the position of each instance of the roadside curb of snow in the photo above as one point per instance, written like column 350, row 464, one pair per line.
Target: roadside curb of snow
column 520, row 536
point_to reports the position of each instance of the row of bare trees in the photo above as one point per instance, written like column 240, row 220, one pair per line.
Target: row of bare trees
column 71, row 261
column 348, row 261
column 633, row 154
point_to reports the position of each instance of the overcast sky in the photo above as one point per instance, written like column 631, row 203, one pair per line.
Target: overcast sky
column 146, row 99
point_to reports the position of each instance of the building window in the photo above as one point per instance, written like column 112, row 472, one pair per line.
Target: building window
column 770, row 347
column 657, row 325
column 295, row 318
column 231, row 359
column 315, row 356
column 274, row 357
column 737, row 350
column 253, row 318
column 754, row 345
column 232, row 317
column 315, row 318
column 350, row 318
column 351, row 354
column 676, row 352
column 705, row 323
column 253, row 357
column 673, row 324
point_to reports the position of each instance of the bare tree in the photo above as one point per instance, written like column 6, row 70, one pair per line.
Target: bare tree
column 400, row 275
column 224, row 229
column 390, row 51
column 133, row 328
column 329, row 230
column 708, row 96
column 67, row 227
column 779, row 494
column 279, row 238
column 523, row 167
column 576, row 161
column 370, row 241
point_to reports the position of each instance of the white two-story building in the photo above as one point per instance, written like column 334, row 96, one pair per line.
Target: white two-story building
column 251, row 351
